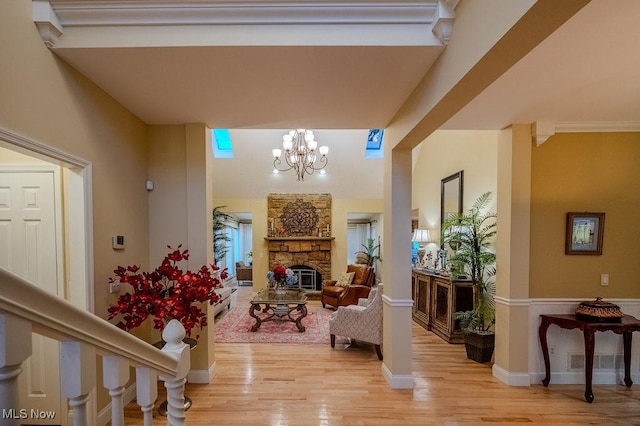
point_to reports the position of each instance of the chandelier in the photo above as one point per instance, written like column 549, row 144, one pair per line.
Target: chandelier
column 300, row 154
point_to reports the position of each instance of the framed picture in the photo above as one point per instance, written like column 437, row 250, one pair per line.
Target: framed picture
column 585, row 232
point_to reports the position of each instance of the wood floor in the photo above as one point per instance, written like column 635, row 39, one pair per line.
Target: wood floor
column 271, row 384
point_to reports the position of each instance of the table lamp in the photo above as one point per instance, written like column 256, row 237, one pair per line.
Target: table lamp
column 421, row 236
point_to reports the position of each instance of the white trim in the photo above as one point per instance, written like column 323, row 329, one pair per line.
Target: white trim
column 398, row 381
column 241, row 12
column 511, row 379
column 397, row 303
column 42, row 149
column 512, row 302
column 597, row 126
column 202, row 376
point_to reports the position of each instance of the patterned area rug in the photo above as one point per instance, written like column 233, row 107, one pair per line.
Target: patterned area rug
column 235, row 327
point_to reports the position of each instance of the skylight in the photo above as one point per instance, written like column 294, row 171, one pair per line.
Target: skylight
column 222, row 146
column 374, row 148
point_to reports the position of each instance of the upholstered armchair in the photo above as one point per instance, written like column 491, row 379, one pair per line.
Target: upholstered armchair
column 362, row 322
column 335, row 293
column 243, row 272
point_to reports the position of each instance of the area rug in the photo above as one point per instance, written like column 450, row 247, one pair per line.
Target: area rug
column 235, row 327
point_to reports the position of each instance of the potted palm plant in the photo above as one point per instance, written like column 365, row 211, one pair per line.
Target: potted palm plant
column 472, row 234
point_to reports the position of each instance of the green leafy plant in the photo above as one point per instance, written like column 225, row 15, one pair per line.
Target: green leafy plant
column 220, row 237
column 371, row 251
column 473, row 234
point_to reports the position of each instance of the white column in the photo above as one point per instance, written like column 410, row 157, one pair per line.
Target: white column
column 115, row 374
column 78, row 377
column 15, row 347
column 173, row 334
column 397, row 368
column 146, row 392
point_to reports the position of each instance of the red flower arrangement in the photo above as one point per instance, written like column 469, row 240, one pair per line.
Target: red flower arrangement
column 166, row 293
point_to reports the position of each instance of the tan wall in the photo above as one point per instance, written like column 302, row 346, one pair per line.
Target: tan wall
column 46, row 100
column 578, row 172
column 444, row 153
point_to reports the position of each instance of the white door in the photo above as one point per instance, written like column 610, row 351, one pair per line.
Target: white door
column 28, row 248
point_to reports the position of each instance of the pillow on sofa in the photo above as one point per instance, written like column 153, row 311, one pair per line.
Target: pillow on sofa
column 345, row 279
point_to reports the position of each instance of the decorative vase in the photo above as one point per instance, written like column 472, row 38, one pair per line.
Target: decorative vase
column 280, row 288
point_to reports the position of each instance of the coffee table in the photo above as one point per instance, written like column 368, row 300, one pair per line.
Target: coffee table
column 289, row 306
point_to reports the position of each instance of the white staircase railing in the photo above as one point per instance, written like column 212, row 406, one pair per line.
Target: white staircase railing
column 26, row 309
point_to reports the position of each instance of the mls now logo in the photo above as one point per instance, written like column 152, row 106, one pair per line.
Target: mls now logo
column 27, row 414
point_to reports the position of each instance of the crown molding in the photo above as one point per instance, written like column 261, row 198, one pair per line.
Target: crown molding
column 158, row 12
column 543, row 130
column 597, row 126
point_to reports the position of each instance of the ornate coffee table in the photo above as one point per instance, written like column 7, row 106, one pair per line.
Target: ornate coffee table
column 290, row 306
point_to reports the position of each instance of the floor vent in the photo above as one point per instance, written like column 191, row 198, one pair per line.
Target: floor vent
column 600, row 362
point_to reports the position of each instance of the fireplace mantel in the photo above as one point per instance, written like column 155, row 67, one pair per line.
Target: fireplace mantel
column 299, row 238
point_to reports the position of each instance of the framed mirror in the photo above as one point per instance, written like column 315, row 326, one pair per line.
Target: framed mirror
column 451, row 190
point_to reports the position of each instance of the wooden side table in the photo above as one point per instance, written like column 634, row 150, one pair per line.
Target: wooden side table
column 626, row 327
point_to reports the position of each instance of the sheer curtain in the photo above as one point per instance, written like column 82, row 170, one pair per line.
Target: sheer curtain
column 357, row 235
column 245, row 242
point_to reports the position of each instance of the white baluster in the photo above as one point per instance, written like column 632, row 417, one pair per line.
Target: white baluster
column 146, row 392
column 173, row 334
column 78, row 377
column 15, row 347
column 115, row 374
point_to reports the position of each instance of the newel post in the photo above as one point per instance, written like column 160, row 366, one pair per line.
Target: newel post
column 173, row 334
column 15, row 347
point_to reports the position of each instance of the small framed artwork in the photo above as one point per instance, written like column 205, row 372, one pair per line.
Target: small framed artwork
column 585, row 232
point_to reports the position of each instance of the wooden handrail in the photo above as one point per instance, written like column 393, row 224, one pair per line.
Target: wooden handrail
column 55, row 317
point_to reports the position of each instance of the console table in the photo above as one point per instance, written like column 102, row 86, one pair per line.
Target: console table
column 626, row 327
column 436, row 301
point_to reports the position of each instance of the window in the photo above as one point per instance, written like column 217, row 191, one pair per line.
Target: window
column 374, row 147
column 221, row 141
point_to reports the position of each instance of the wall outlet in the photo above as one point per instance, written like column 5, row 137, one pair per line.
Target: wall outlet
column 604, row 280
column 114, row 287
column 552, row 350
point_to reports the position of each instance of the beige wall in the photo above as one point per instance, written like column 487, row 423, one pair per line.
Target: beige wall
column 578, row 172
column 446, row 152
column 181, row 205
column 47, row 101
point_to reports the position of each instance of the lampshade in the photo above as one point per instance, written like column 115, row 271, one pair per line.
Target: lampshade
column 421, row 236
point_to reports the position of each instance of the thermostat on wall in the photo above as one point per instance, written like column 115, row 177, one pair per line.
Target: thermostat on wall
column 117, row 242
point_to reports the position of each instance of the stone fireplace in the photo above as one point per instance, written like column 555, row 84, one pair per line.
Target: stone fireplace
column 299, row 237
column 312, row 252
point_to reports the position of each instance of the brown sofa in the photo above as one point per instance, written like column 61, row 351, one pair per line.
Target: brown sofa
column 363, row 280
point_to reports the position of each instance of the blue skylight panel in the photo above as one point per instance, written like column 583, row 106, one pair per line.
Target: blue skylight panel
column 222, row 145
column 374, row 144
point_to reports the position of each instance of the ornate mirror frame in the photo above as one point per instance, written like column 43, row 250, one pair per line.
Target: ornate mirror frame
column 451, row 194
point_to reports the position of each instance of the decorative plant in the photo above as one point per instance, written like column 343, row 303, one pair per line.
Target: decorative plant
column 220, row 237
column 371, row 251
column 281, row 277
column 472, row 234
column 166, row 293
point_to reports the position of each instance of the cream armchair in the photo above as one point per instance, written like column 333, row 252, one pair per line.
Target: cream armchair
column 360, row 322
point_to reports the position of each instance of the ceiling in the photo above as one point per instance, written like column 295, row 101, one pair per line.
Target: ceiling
column 279, row 69
column 585, row 72
column 246, row 64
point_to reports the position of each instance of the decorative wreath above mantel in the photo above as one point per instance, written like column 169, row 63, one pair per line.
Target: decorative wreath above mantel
column 299, row 218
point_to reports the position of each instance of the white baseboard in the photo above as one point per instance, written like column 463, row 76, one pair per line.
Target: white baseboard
column 202, row 376
column 104, row 416
column 511, row 379
column 398, row 381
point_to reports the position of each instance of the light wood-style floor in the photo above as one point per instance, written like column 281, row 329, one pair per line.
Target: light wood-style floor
column 271, row 384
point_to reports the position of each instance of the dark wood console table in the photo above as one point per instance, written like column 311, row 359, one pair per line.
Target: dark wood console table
column 626, row 327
